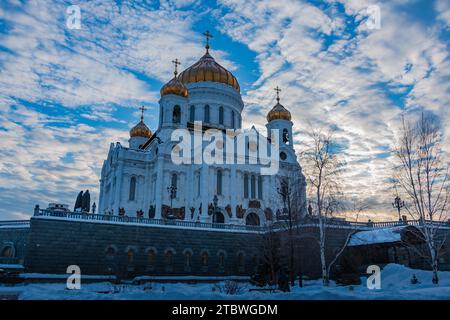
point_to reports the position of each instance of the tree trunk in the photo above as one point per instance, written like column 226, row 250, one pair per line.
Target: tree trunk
column 434, row 266
column 325, row 277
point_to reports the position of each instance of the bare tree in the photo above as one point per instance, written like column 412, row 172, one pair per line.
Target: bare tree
column 323, row 167
column 423, row 177
column 270, row 247
column 289, row 217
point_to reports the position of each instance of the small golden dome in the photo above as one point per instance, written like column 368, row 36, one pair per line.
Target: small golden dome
column 174, row 86
column 207, row 69
column 140, row 130
column 278, row 112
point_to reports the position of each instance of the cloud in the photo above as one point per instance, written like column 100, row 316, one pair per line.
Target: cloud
column 336, row 73
column 66, row 93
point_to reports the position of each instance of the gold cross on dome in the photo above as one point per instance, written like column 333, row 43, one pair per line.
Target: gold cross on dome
column 142, row 112
column 176, row 62
column 208, row 36
column 278, row 90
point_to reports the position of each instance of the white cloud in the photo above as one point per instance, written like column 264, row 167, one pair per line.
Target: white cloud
column 347, row 85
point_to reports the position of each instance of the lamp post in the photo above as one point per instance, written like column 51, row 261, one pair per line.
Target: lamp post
column 172, row 190
column 398, row 204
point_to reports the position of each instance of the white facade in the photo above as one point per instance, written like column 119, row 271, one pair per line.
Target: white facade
column 137, row 177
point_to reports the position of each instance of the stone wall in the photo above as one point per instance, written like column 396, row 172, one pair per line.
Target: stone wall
column 16, row 238
column 129, row 250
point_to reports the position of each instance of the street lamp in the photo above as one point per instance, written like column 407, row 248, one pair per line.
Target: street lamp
column 398, row 204
column 172, row 190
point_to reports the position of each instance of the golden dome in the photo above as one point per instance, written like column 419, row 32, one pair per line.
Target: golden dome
column 207, row 69
column 140, row 130
column 278, row 112
column 174, row 86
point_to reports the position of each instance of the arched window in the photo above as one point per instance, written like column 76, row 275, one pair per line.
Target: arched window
column 187, row 259
column 241, row 261
column 162, row 115
column 285, row 136
column 169, row 259
column 130, row 256
column 174, row 185
column 245, row 185
column 219, row 182
column 132, row 195
column 176, row 116
column 151, row 258
column 221, row 260
column 110, row 252
column 221, row 115
column 232, row 119
column 204, row 259
column 7, row 252
column 260, row 187
column 192, row 113
column 255, row 262
column 207, row 113
column 253, row 187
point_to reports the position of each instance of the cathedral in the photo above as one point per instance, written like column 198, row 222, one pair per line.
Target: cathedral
column 142, row 180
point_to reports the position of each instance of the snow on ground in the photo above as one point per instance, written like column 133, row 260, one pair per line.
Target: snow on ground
column 395, row 284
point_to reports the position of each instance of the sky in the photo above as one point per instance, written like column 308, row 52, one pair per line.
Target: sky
column 66, row 94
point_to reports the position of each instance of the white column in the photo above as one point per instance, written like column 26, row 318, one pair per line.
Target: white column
column 204, row 188
column 234, row 189
column 118, row 191
column 189, row 191
column 146, row 189
column 159, row 187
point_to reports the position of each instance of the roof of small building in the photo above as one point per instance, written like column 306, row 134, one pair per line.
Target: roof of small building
column 376, row 236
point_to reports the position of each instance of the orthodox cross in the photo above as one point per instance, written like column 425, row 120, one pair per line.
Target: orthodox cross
column 176, row 62
column 142, row 112
column 208, row 36
column 278, row 90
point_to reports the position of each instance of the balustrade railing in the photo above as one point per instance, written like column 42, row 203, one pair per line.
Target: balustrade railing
column 148, row 221
column 336, row 223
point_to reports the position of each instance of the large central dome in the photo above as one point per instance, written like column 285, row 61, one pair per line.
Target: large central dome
column 207, row 69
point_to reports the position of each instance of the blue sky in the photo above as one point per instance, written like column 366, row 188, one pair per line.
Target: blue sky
column 65, row 94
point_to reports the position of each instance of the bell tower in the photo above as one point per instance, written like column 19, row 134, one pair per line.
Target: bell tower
column 279, row 118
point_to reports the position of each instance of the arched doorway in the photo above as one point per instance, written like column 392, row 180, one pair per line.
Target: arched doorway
column 218, row 217
column 252, row 219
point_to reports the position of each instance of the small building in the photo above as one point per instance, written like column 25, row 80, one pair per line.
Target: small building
column 403, row 244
